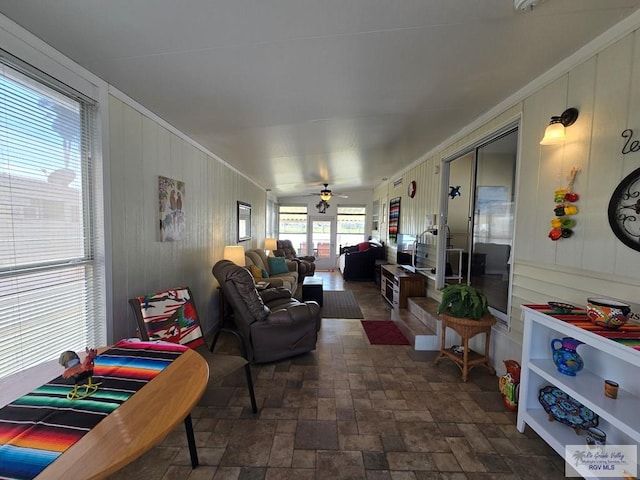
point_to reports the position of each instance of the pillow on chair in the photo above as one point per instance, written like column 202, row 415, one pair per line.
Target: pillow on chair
column 256, row 272
column 278, row 265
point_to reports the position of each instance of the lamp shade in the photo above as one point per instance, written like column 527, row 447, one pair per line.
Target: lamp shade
column 553, row 134
column 234, row 253
column 270, row 244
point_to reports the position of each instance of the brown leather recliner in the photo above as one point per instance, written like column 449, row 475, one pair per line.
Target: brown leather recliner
column 273, row 325
column 306, row 265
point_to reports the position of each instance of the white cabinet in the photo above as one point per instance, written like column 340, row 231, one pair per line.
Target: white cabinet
column 603, row 359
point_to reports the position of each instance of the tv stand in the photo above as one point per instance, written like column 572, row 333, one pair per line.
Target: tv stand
column 397, row 285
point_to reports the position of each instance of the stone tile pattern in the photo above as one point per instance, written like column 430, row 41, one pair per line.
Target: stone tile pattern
column 350, row 410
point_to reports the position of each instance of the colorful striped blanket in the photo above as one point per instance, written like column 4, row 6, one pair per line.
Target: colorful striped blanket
column 628, row 334
column 37, row 428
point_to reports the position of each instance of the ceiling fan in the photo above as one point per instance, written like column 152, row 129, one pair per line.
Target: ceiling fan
column 326, row 194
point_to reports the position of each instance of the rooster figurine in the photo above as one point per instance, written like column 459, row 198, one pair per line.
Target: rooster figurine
column 79, row 371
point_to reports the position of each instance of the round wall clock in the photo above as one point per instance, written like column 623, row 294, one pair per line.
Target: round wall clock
column 411, row 190
column 624, row 210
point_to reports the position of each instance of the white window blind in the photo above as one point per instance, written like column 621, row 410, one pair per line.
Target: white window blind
column 49, row 281
column 350, row 225
column 292, row 226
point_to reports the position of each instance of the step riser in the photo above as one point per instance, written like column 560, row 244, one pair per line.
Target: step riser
column 426, row 338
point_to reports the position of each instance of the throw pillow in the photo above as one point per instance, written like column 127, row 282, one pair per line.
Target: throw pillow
column 363, row 246
column 256, row 272
column 265, row 274
column 278, row 265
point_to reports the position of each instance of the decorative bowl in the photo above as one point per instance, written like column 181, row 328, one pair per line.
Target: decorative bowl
column 564, row 308
column 607, row 313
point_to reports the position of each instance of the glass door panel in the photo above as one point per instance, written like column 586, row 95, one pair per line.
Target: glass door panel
column 322, row 231
column 492, row 226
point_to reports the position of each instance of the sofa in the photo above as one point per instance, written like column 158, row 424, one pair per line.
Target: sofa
column 358, row 262
column 272, row 324
column 262, row 269
column 306, row 265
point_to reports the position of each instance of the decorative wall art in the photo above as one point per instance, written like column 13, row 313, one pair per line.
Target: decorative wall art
column 244, row 221
column 394, row 219
column 564, row 198
column 171, row 201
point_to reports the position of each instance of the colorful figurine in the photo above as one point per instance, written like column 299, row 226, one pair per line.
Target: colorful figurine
column 79, row 371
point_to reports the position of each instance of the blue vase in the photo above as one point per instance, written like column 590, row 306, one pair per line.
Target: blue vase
column 565, row 355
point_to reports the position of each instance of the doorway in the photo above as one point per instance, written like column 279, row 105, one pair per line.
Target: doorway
column 322, row 241
column 478, row 217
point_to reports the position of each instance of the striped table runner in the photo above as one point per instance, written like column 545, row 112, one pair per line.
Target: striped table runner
column 628, row 334
column 37, row 428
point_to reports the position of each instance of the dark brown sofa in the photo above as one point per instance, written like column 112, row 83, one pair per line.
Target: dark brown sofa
column 273, row 325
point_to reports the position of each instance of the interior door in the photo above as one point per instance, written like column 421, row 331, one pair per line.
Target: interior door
column 322, row 232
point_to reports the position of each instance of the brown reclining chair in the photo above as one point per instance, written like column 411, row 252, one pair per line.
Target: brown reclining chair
column 306, row 265
column 272, row 324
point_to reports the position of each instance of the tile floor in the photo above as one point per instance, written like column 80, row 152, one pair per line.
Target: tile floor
column 350, row 410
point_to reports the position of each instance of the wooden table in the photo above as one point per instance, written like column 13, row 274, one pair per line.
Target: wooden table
column 138, row 424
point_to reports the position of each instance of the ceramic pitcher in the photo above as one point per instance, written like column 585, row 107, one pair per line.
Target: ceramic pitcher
column 565, row 355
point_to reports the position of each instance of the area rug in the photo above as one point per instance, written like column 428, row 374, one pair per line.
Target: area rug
column 338, row 304
column 384, row 332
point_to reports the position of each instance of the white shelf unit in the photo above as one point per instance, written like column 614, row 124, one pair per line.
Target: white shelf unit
column 455, row 275
column 603, row 359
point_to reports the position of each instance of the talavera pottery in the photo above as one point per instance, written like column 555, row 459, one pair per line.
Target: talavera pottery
column 563, row 308
column 566, row 409
column 565, row 355
column 607, row 313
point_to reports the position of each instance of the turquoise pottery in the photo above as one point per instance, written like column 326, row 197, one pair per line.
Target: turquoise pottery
column 565, row 355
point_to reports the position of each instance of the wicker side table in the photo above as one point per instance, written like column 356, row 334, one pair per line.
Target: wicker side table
column 467, row 329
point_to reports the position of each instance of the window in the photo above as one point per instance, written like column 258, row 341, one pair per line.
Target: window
column 49, row 279
column 292, row 225
column 350, row 226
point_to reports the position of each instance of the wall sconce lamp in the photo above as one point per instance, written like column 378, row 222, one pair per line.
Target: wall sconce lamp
column 270, row 244
column 234, row 253
column 554, row 132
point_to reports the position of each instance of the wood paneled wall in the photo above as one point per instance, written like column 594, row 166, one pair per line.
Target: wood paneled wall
column 606, row 90
column 140, row 150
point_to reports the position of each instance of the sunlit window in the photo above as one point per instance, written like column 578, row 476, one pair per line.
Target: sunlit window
column 48, row 275
column 350, row 226
column 292, row 225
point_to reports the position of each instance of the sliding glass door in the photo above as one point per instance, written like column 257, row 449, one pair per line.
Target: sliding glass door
column 479, row 218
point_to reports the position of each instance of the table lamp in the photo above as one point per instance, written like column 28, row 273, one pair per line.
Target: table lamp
column 234, row 253
column 270, row 244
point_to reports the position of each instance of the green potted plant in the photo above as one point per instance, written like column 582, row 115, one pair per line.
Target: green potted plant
column 463, row 301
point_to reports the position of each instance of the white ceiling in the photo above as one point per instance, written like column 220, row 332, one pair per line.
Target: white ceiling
column 295, row 93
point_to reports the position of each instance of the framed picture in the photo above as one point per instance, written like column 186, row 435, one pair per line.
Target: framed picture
column 394, row 219
column 244, row 221
column 171, row 202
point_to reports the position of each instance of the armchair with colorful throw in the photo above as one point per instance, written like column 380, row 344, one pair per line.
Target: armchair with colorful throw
column 171, row 316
